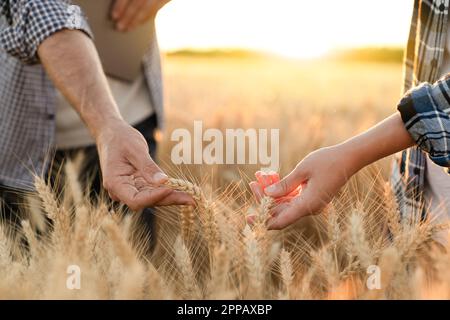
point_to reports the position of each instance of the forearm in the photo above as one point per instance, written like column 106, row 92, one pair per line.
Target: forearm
column 382, row 140
column 72, row 62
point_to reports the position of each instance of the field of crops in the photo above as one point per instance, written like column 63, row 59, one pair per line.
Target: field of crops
column 356, row 249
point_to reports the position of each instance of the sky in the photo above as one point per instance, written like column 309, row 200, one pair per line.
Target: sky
column 292, row 28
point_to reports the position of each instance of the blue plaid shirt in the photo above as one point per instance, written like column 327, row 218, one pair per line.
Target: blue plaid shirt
column 27, row 96
column 425, row 107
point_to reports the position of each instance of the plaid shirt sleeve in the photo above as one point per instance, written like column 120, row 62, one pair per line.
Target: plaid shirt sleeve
column 30, row 22
column 425, row 110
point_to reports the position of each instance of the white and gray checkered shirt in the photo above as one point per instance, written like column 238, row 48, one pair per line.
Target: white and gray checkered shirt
column 27, row 96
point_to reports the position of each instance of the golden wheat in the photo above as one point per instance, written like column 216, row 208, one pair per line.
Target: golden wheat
column 242, row 261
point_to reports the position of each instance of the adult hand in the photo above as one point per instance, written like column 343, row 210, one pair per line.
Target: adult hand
column 128, row 14
column 129, row 173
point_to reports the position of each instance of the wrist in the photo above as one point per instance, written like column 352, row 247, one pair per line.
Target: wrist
column 382, row 140
column 351, row 157
column 105, row 126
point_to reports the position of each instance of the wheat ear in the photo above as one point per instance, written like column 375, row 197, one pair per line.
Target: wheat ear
column 389, row 263
column 121, row 246
column 359, row 241
column 333, row 226
column 184, row 263
column 255, row 270
column 188, row 187
column 208, row 218
column 30, row 237
column 48, row 198
column 60, row 217
column 219, row 273
column 82, row 229
column 5, row 250
column 286, row 271
column 392, row 212
column 187, row 219
column 73, row 182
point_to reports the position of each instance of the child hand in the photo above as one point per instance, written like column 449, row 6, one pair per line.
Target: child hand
column 308, row 188
column 266, row 179
column 322, row 173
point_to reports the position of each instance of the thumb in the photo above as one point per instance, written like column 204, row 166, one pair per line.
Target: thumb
column 288, row 184
column 150, row 170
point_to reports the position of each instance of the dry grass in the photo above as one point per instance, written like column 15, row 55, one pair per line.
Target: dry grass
column 209, row 252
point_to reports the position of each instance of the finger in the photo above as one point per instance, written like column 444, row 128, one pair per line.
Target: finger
column 151, row 197
column 296, row 192
column 286, row 199
column 131, row 13
column 147, row 12
column 119, row 9
column 137, row 200
column 299, row 207
column 278, row 209
column 285, row 217
column 288, row 184
column 148, row 169
column 257, row 191
column 263, row 178
column 274, row 177
column 176, row 198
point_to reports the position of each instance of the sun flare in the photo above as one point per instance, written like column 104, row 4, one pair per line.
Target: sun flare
column 292, row 28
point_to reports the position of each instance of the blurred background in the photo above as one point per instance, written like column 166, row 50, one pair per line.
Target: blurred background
column 320, row 71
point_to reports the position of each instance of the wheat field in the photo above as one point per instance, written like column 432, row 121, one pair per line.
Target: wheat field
column 209, row 251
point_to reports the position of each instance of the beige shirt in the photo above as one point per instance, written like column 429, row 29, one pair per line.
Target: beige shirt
column 134, row 103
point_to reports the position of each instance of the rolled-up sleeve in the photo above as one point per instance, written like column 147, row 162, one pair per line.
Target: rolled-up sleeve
column 425, row 111
column 30, row 22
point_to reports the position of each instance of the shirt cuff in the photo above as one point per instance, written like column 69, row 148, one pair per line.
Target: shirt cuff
column 425, row 113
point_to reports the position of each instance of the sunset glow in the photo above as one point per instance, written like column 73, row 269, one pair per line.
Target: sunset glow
column 293, row 28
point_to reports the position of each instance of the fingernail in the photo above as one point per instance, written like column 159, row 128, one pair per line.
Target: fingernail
column 270, row 189
column 160, row 177
column 121, row 27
